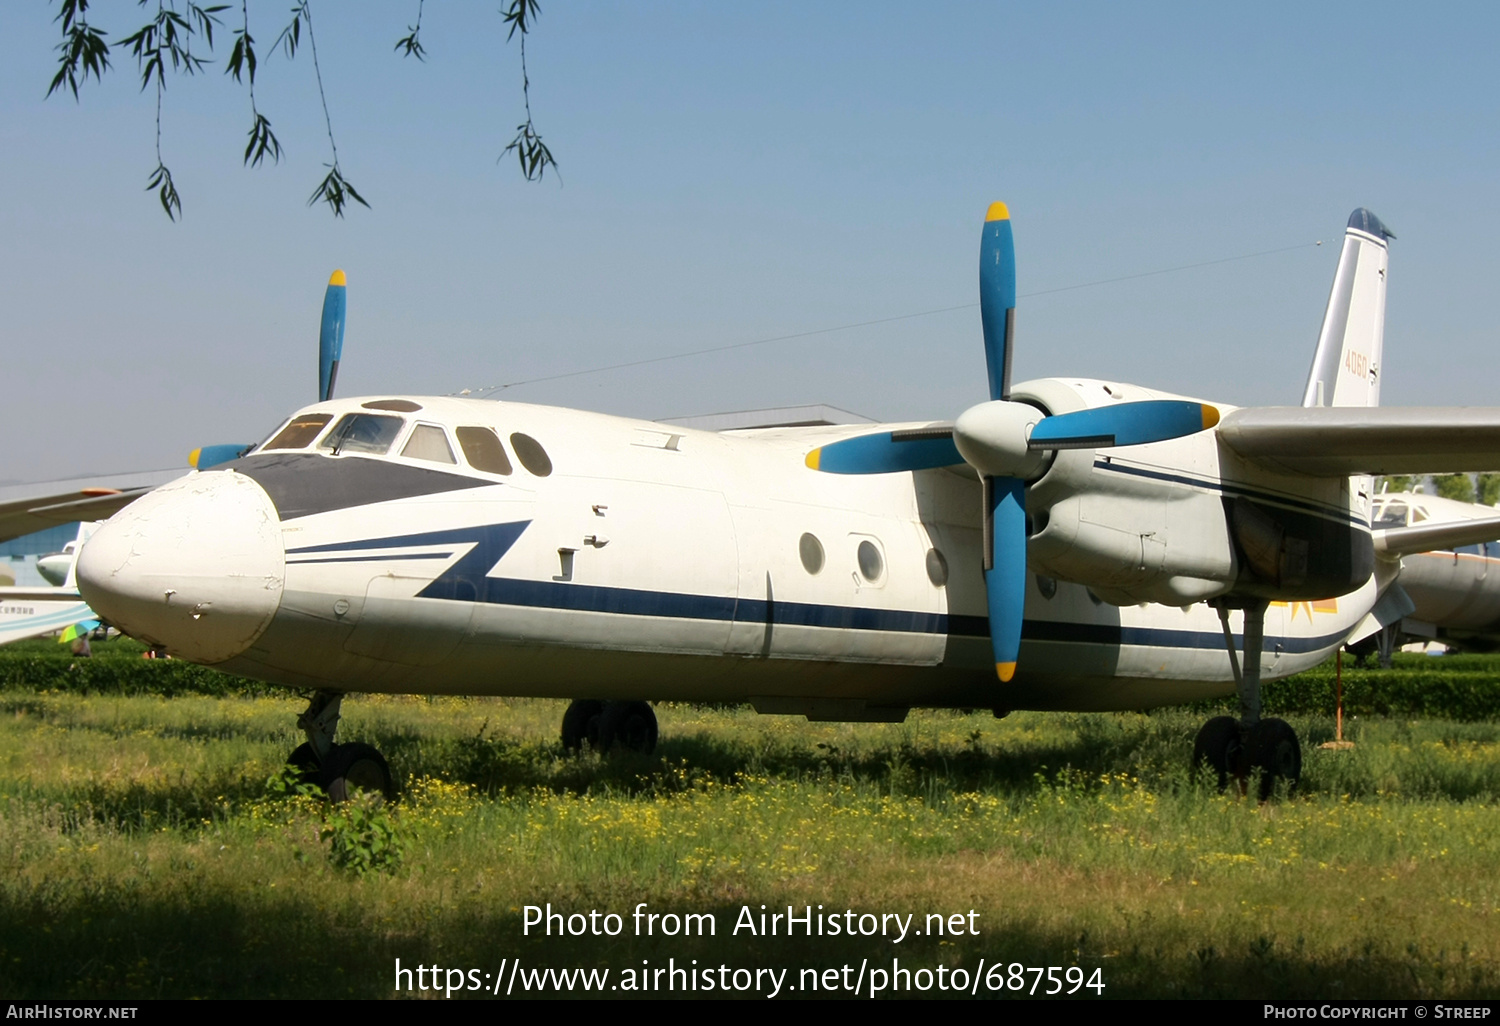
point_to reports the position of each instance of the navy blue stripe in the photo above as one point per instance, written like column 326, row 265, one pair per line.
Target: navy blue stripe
column 463, row 535
column 1229, row 489
column 370, row 559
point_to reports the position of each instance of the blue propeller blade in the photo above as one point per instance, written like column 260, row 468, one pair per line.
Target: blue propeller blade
column 884, row 454
column 212, row 455
column 997, row 297
column 1005, row 578
column 331, row 336
column 1152, row 420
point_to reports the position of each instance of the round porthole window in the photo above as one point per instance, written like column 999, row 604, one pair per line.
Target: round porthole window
column 811, row 551
column 531, row 454
column 870, row 564
column 937, row 568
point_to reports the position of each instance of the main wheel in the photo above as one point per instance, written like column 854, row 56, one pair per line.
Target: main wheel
column 630, row 725
column 1275, row 751
column 353, row 769
column 581, row 723
column 1215, row 748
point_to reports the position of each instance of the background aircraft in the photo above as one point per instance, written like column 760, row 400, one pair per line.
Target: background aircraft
column 1454, row 593
column 1071, row 544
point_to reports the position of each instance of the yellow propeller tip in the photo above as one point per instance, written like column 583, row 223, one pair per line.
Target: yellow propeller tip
column 998, row 212
column 1005, row 670
column 1210, row 416
column 337, row 278
column 814, row 457
column 193, row 457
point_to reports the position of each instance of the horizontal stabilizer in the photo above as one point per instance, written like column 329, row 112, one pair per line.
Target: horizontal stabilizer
column 1404, row 541
column 1337, row 441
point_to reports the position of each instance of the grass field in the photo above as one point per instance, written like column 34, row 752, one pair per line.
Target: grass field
column 145, row 855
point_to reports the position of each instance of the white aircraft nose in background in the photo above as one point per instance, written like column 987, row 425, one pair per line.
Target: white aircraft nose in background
column 197, row 566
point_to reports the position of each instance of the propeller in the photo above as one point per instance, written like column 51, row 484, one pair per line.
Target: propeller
column 330, row 348
column 1007, row 442
column 331, row 336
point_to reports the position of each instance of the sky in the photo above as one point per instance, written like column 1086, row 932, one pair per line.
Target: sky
column 731, row 173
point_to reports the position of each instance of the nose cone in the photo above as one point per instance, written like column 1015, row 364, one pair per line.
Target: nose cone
column 196, row 565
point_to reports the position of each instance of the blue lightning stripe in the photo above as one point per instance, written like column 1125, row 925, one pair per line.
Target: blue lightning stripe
column 468, row 580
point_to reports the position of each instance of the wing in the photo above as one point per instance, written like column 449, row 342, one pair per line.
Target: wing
column 1336, row 441
column 36, row 507
column 1404, row 541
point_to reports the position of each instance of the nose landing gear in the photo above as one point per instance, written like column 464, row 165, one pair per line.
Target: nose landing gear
column 341, row 770
column 630, row 725
column 1226, row 746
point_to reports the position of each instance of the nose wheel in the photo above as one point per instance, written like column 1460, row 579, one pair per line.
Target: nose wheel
column 605, row 725
column 342, row 771
column 1227, row 746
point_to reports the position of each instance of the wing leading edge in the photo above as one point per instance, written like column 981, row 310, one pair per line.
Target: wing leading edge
column 1335, row 441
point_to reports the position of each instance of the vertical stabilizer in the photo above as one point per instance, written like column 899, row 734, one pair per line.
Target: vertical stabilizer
column 1346, row 367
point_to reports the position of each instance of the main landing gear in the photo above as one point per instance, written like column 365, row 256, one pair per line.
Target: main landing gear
column 342, row 771
column 604, row 725
column 1238, row 747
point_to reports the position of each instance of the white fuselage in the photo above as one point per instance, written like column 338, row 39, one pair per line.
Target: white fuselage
column 661, row 562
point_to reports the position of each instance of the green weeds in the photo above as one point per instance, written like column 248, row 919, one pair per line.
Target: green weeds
column 153, row 846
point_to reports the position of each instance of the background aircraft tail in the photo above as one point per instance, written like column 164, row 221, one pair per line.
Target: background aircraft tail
column 1346, row 367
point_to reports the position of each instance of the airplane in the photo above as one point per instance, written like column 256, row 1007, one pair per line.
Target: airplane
column 26, row 612
column 1071, row 544
column 1454, row 593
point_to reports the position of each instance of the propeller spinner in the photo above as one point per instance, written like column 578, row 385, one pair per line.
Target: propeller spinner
column 1007, row 442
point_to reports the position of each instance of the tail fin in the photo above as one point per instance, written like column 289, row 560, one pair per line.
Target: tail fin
column 1346, row 367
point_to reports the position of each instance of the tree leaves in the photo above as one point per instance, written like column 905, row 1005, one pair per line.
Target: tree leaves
column 336, row 191
column 161, row 181
column 169, row 38
column 533, row 154
column 83, row 48
column 262, row 143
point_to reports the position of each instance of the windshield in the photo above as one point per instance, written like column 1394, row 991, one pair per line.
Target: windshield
column 300, row 432
column 362, row 432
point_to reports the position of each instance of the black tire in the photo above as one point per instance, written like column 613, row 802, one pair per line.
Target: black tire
column 630, row 725
column 353, row 769
column 581, row 723
column 304, row 760
column 1275, row 751
column 1216, row 747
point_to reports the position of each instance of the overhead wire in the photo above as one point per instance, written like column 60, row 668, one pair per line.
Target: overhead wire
column 491, row 389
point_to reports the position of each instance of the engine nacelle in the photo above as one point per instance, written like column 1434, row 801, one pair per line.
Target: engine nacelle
column 1123, row 530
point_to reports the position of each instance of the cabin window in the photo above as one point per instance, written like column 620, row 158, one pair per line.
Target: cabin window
column 1392, row 514
column 811, row 551
column 937, row 568
column 531, row 454
column 483, row 450
column 871, row 566
column 300, row 432
column 1418, row 514
column 428, row 442
column 362, row 432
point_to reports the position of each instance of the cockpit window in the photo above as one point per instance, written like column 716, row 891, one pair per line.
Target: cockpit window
column 300, row 432
column 531, row 454
column 428, row 442
column 362, row 432
column 1392, row 514
column 483, row 450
